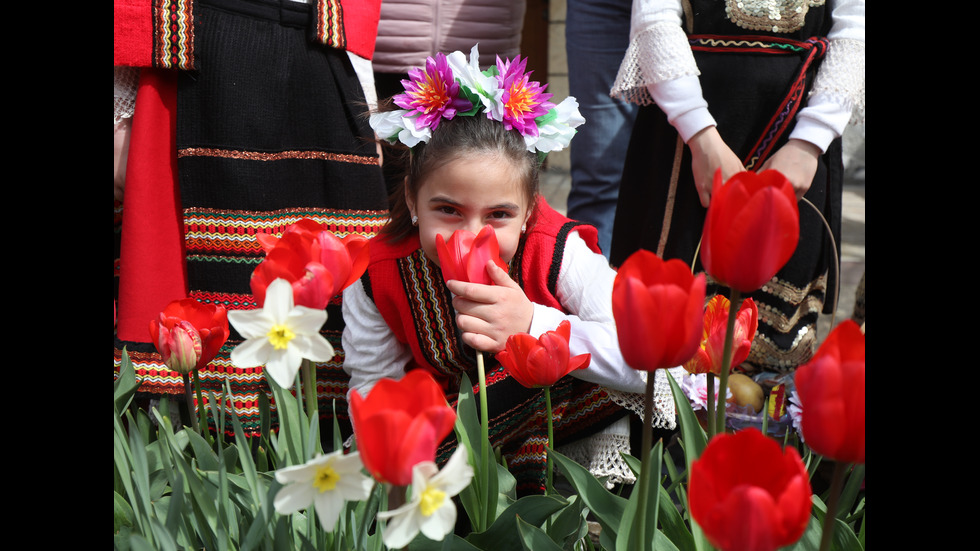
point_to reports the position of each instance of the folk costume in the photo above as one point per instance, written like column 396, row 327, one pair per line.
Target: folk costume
column 400, row 317
column 762, row 71
column 249, row 116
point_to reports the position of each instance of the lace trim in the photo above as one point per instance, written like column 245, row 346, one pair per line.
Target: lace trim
column 664, row 414
column 124, row 82
column 657, row 54
column 600, row 453
column 841, row 76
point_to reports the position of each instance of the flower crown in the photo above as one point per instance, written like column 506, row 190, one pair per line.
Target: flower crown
column 450, row 86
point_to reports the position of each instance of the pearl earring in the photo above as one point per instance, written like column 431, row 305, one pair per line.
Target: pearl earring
column 524, row 228
column 415, row 220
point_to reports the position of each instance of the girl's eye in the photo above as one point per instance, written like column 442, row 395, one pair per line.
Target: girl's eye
column 446, row 210
column 500, row 214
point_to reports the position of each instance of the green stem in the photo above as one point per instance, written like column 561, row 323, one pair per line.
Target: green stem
column 309, row 388
column 200, row 399
column 189, row 398
column 711, row 404
column 485, row 439
column 726, row 364
column 830, row 520
column 549, row 484
column 647, row 443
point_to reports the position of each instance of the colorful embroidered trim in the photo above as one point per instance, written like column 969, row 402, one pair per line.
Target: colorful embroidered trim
column 246, row 384
column 433, row 314
column 330, row 24
column 212, row 233
column 173, row 34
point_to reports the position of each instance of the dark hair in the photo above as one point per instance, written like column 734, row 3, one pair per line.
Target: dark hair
column 452, row 139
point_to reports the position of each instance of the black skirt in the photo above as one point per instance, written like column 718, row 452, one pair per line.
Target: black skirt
column 271, row 127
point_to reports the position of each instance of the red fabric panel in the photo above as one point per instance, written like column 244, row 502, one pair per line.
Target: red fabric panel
column 361, row 25
column 132, row 33
column 151, row 270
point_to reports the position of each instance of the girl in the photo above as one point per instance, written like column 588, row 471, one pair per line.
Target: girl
column 472, row 170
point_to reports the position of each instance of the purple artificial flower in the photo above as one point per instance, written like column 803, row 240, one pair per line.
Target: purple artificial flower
column 433, row 93
column 523, row 100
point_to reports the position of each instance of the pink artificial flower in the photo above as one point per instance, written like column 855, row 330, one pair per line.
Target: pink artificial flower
column 523, row 100
column 433, row 93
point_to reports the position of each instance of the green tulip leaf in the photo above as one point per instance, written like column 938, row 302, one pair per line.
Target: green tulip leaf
column 125, row 385
column 501, row 534
column 535, row 539
column 608, row 508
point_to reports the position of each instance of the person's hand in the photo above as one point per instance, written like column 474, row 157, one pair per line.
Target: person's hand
column 120, row 139
column 709, row 153
column 797, row 161
column 488, row 314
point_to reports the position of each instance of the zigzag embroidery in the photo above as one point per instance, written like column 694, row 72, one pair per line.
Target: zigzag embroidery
column 714, row 42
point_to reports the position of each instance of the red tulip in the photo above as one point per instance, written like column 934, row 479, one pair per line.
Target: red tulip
column 317, row 263
column 749, row 495
column 751, row 229
column 708, row 357
column 831, row 392
column 189, row 334
column 465, row 256
column 400, row 424
column 541, row 362
column 658, row 307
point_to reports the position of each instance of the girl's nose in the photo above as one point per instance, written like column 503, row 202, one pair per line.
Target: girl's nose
column 474, row 225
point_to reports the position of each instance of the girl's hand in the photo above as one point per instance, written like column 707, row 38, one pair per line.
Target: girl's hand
column 709, row 152
column 797, row 161
column 488, row 314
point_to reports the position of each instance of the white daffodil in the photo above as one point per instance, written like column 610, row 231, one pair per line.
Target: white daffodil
column 280, row 335
column 327, row 482
column 487, row 87
column 431, row 509
column 557, row 128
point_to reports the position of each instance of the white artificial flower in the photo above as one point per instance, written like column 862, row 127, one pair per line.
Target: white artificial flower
column 468, row 73
column 280, row 335
column 431, row 509
column 695, row 387
column 395, row 126
column 327, row 482
column 555, row 134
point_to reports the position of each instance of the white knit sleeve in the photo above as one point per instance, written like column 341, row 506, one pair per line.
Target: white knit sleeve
column 658, row 51
column 837, row 96
column 124, row 83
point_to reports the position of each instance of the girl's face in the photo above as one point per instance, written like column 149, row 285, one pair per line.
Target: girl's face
column 468, row 193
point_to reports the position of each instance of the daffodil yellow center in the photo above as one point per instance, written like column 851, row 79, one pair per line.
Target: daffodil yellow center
column 432, row 499
column 279, row 336
column 326, row 478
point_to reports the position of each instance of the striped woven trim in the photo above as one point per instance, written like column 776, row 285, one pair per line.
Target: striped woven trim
column 246, row 384
column 330, row 24
column 277, row 155
column 432, row 313
column 211, row 234
column 173, row 34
